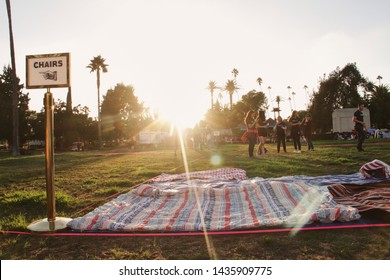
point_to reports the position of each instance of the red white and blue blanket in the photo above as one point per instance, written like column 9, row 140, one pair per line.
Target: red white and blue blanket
column 218, row 200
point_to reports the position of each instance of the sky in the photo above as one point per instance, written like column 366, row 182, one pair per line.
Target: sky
column 169, row 50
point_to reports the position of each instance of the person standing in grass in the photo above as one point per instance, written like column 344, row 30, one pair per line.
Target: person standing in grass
column 295, row 122
column 281, row 128
column 251, row 131
column 360, row 127
column 307, row 131
column 261, row 126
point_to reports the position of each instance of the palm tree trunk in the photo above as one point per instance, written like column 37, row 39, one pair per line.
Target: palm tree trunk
column 69, row 101
column 231, row 101
column 15, row 113
column 99, row 114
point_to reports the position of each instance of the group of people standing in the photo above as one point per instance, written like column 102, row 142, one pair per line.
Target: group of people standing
column 257, row 131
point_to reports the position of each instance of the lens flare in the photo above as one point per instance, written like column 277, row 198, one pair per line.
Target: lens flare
column 216, row 160
column 192, row 185
column 304, row 209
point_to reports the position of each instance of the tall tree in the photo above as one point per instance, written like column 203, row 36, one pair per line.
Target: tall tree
column 278, row 99
column 212, row 86
column 379, row 105
column 253, row 100
column 231, row 87
column 293, row 97
column 6, row 108
column 343, row 88
column 235, row 73
column 69, row 101
column 259, row 81
column 84, row 127
column 123, row 114
column 15, row 114
column 98, row 64
column 305, row 87
column 379, row 78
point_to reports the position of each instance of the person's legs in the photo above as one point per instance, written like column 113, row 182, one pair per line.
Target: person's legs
column 361, row 137
column 299, row 142
column 278, row 145
column 252, row 143
column 294, row 137
column 284, row 144
column 309, row 142
column 262, row 143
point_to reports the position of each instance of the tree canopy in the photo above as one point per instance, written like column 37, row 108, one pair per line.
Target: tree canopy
column 223, row 117
column 123, row 115
column 6, row 92
column 344, row 88
column 379, row 104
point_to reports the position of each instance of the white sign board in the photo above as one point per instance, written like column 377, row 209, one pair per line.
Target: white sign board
column 48, row 70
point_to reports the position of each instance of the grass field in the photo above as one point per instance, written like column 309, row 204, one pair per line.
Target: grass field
column 89, row 177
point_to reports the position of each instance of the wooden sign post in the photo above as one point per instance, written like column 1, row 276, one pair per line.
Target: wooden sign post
column 47, row 71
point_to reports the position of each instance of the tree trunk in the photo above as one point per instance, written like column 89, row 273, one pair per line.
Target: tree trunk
column 99, row 114
column 69, row 101
column 15, row 113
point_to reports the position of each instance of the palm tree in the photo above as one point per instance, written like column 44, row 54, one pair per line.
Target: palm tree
column 379, row 78
column 259, row 81
column 272, row 103
column 235, row 73
column 212, row 86
column 270, row 96
column 15, row 113
column 289, row 96
column 231, row 87
column 278, row 99
column 97, row 64
column 293, row 95
column 69, row 101
column 307, row 94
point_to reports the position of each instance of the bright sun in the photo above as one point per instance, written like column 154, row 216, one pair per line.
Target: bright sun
column 183, row 116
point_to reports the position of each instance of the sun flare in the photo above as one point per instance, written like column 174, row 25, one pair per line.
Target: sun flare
column 179, row 115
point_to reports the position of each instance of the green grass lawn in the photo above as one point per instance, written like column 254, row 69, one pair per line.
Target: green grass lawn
column 89, row 177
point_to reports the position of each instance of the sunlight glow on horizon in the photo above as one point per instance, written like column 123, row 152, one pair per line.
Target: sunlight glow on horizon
column 182, row 116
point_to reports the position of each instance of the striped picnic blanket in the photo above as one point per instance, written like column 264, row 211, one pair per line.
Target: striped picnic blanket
column 364, row 198
column 215, row 205
column 221, row 173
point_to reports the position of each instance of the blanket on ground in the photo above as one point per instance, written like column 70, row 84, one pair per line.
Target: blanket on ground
column 214, row 205
column 221, row 173
column 363, row 197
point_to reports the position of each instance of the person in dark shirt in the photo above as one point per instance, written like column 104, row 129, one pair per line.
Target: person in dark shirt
column 281, row 133
column 360, row 127
column 307, row 131
column 251, row 131
column 295, row 122
column 261, row 126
